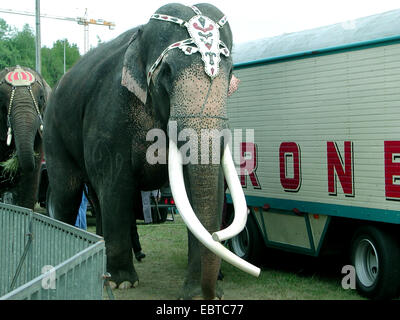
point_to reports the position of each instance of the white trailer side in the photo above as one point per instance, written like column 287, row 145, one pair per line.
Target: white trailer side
column 325, row 160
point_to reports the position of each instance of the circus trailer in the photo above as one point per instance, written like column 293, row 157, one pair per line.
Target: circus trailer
column 322, row 171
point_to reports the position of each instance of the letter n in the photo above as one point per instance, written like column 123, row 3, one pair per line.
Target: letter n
column 343, row 169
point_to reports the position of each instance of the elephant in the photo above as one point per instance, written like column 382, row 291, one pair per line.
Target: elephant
column 23, row 97
column 176, row 69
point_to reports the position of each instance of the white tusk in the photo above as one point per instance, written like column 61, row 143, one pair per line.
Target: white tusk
column 239, row 201
column 182, row 203
column 9, row 136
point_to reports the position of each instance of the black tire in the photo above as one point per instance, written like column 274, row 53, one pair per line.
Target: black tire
column 248, row 244
column 375, row 254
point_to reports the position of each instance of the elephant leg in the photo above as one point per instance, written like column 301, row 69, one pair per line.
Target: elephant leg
column 117, row 219
column 64, row 201
column 94, row 202
column 66, row 186
column 113, row 184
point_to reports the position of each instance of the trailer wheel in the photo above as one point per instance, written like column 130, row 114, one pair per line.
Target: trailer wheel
column 375, row 255
column 248, row 244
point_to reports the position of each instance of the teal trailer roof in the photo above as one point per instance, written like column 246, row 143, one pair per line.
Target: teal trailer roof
column 363, row 31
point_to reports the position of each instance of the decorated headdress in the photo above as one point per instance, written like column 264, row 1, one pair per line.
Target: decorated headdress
column 204, row 38
column 20, row 77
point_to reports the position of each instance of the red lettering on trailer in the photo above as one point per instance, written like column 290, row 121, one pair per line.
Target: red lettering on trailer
column 248, row 164
column 291, row 175
column 289, row 160
column 344, row 170
column 392, row 170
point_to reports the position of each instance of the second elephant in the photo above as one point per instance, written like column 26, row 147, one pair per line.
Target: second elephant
column 23, row 97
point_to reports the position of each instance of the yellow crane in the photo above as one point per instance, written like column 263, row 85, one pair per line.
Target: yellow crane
column 85, row 21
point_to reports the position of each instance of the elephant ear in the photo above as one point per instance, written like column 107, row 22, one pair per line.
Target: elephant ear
column 47, row 90
column 134, row 69
column 3, row 116
column 46, row 93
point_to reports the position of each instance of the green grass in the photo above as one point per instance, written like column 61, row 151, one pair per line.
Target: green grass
column 283, row 276
column 10, row 166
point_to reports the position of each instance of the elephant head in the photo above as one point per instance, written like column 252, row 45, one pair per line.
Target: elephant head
column 23, row 95
column 179, row 65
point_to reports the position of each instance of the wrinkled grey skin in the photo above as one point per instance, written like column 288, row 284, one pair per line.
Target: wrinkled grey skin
column 95, row 134
column 26, row 139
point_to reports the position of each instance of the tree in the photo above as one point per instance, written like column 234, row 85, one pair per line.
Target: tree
column 7, row 50
column 6, row 31
column 18, row 47
column 53, row 60
column 24, row 44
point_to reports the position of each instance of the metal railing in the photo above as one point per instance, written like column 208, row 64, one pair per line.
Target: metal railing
column 42, row 258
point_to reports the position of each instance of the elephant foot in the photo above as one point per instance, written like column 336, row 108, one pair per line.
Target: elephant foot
column 122, row 279
column 124, row 285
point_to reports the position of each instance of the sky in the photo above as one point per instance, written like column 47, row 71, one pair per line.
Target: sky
column 249, row 19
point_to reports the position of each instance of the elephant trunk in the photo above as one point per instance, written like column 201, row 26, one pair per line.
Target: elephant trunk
column 25, row 124
column 205, row 183
column 198, row 111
